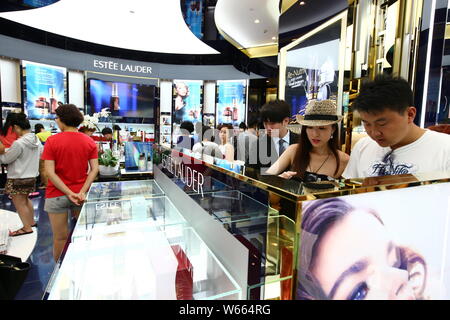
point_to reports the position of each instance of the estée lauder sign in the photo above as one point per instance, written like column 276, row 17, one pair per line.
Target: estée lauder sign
column 190, row 177
column 110, row 65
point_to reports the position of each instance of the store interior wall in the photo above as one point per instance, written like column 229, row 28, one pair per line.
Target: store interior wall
column 76, row 62
column 10, row 80
column 165, row 92
column 76, row 88
column 430, row 69
column 209, row 99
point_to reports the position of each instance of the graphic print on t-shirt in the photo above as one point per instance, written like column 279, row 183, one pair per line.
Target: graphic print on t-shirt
column 388, row 166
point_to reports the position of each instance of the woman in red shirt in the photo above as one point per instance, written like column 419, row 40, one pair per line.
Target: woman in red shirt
column 68, row 156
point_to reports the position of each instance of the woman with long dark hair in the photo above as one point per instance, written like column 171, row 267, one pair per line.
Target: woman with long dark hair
column 316, row 157
column 22, row 159
column 7, row 134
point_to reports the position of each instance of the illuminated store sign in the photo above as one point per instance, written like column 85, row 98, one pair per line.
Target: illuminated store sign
column 190, row 177
column 123, row 67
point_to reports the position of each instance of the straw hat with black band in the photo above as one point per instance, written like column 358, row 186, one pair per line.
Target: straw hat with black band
column 319, row 113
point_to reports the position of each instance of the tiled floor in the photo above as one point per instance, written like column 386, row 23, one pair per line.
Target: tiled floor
column 41, row 259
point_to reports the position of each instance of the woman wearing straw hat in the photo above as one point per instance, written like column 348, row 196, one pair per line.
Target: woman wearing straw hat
column 316, row 157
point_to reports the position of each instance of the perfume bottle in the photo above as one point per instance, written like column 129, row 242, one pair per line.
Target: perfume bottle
column 142, row 162
column 235, row 111
column 149, row 162
column 53, row 102
column 114, row 101
column 227, row 113
column 40, row 103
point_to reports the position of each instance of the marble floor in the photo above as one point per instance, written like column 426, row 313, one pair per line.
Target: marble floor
column 41, row 258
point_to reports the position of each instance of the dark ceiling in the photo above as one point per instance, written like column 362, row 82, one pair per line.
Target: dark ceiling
column 298, row 20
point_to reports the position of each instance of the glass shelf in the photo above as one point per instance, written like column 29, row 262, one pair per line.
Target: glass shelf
column 142, row 265
column 104, row 218
column 123, row 189
column 228, row 206
column 272, row 243
column 210, row 185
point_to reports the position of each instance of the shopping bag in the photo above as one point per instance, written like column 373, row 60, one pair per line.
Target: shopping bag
column 13, row 273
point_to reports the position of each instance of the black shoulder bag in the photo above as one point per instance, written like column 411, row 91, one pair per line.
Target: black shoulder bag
column 13, row 273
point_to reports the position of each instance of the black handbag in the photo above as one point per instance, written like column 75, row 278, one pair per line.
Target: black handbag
column 13, row 273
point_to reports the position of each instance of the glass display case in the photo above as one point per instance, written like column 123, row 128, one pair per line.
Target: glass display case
column 143, row 264
column 271, row 241
column 228, row 206
column 123, row 189
column 106, row 218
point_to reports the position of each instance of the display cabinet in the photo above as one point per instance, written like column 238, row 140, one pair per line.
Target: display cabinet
column 123, row 189
column 275, row 220
column 144, row 264
column 106, row 218
column 233, row 205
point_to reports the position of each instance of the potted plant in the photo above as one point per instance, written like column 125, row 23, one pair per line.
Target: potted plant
column 108, row 163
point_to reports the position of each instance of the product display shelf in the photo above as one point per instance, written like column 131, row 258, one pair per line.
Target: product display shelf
column 123, row 189
column 105, row 218
column 270, row 238
column 210, row 185
column 230, row 205
column 142, row 265
column 272, row 243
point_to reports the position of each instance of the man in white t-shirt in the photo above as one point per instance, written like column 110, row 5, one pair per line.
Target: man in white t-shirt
column 396, row 145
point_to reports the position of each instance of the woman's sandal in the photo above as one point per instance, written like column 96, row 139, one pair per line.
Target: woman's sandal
column 19, row 232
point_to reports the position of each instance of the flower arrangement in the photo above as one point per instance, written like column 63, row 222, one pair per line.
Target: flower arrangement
column 103, row 114
column 92, row 121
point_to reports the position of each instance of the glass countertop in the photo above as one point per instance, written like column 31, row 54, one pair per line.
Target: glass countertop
column 118, row 216
column 143, row 265
column 123, row 189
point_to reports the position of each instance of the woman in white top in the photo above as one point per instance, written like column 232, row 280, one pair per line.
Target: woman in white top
column 316, row 157
column 225, row 130
column 23, row 168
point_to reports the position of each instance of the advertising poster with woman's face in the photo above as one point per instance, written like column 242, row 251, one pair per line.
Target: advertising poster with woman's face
column 231, row 102
column 45, row 89
column 389, row 245
column 187, row 101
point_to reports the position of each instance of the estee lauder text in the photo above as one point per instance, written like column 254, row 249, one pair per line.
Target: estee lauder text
column 190, row 177
column 111, row 65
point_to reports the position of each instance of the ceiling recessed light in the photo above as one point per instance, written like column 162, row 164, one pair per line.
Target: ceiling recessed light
column 257, row 21
column 302, row 3
column 131, row 11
